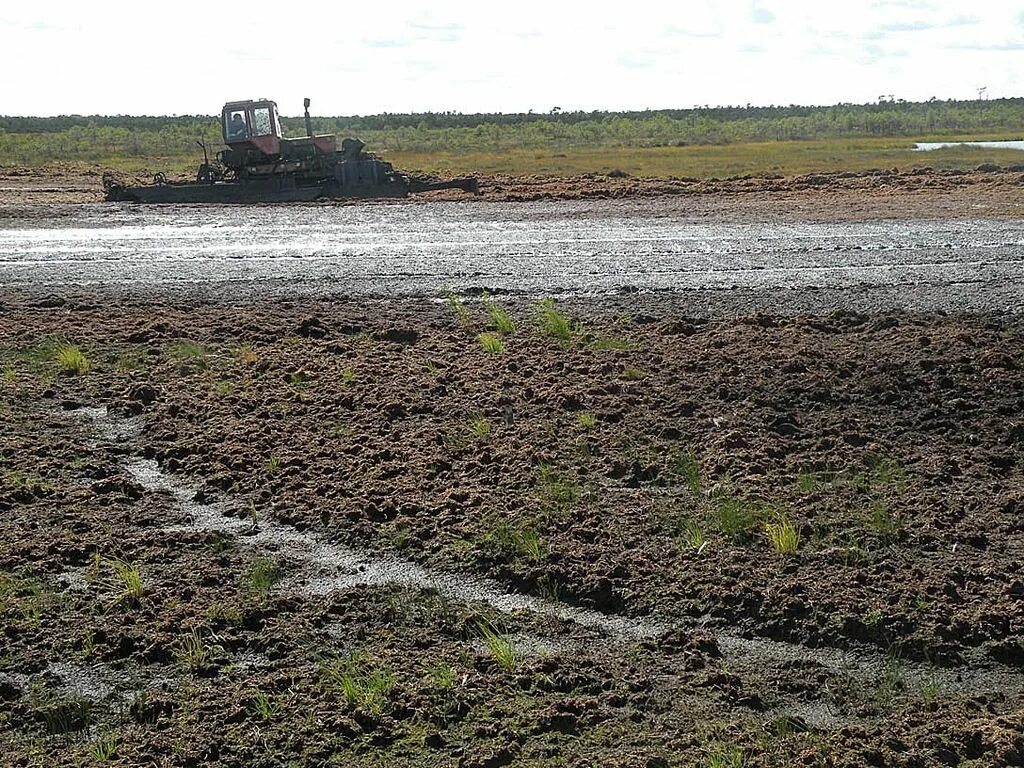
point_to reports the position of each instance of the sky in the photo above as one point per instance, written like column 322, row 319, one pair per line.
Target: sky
column 82, row 57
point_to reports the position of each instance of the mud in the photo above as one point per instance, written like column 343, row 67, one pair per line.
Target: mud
column 331, row 503
column 661, row 247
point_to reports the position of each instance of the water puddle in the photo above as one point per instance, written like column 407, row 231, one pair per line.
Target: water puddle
column 322, row 567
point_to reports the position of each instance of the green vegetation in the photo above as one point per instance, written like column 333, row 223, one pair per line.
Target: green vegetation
column 188, row 355
column 264, row 707
column 610, row 343
column 261, row 577
column 727, row 757
column 633, row 374
column 691, row 534
column 363, row 684
column 556, row 489
column 586, row 420
column 500, row 647
column 501, row 320
column 734, row 515
column 192, row 651
column 506, row 540
column 103, row 748
column 480, row 427
column 442, row 676
column 699, row 142
column 492, row 343
column 782, row 535
column 461, row 313
column 125, row 582
column 688, row 467
column 71, row 360
column 552, row 323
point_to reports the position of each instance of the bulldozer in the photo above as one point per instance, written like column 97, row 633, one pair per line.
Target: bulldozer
column 260, row 165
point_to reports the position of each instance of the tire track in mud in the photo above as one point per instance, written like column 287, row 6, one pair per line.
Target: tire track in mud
column 322, row 567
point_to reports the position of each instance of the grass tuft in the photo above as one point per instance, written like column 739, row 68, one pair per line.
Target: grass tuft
column 126, row 582
column 104, row 748
column 71, row 360
column 692, row 534
column 552, row 323
column 480, row 427
column 188, row 355
column 783, row 536
column 491, row 343
column 261, row 577
column 500, row 646
column 501, row 320
column 363, row 684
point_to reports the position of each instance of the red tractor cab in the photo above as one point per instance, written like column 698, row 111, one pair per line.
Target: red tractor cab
column 255, row 125
column 252, row 125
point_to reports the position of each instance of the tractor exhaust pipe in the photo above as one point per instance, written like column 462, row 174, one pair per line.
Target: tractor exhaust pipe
column 309, row 123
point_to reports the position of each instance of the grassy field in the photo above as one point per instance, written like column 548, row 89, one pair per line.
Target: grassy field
column 698, row 161
column 706, row 161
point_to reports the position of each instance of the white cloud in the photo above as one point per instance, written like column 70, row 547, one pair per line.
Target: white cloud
column 190, row 57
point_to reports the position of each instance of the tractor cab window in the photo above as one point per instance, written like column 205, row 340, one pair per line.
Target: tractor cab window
column 261, row 123
column 235, row 127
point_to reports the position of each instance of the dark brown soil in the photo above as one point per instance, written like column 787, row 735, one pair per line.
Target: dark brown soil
column 636, row 468
column 838, row 196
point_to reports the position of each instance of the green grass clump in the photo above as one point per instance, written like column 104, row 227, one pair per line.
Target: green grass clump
column 126, row 582
column 506, row 540
column 882, row 522
column 631, row 373
column 586, row 420
column 363, row 684
column 807, row 482
column 604, row 343
column 188, row 354
column 500, row 647
column 104, row 748
column 782, row 535
column 554, row 488
column 442, row 676
column 491, row 343
column 691, row 534
column 501, row 320
column 480, row 427
column 552, row 323
column 735, row 516
column 193, row 652
column 71, row 361
column 265, row 707
column 687, row 466
column 261, row 577
column 727, row 757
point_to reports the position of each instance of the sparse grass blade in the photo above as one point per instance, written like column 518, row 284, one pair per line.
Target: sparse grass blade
column 462, row 315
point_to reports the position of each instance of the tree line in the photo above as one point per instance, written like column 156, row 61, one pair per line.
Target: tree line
column 98, row 137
